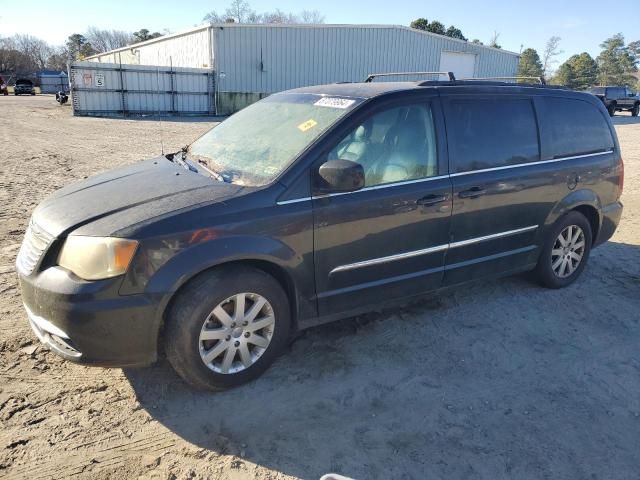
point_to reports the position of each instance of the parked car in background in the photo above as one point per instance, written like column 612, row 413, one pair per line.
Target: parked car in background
column 617, row 99
column 316, row 204
column 24, row 86
column 4, row 90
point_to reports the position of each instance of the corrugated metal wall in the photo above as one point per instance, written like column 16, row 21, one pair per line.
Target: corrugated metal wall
column 53, row 83
column 107, row 89
column 191, row 49
column 267, row 58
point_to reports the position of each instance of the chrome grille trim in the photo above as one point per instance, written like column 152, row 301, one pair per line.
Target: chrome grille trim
column 35, row 243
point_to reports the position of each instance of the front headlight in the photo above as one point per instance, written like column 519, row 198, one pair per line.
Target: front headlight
column 95, row 258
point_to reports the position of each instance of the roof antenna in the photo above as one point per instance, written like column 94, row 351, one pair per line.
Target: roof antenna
column 159, row 96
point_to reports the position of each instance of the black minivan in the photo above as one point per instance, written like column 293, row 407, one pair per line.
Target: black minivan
column 316, row 204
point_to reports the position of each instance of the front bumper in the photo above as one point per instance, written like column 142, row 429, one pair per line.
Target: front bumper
column 89, row 322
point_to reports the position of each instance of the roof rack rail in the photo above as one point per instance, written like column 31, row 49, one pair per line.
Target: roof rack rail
column 371, row 76
column 540, row 80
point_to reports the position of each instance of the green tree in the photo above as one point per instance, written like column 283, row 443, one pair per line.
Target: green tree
column 143, row 35
column 616, row 62
column 78, row 47
column 585, row 70
column 436, row 27
column 420, row 24
column 454, row 32
column 530, row 64
column 565, row 75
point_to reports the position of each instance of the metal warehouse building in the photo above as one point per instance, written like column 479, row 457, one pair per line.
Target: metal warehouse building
column 251, row 61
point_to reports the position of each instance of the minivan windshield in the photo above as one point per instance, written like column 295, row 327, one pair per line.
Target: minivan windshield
column 259, row 142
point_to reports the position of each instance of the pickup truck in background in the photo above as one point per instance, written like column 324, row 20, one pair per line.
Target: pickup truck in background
column 617, row 99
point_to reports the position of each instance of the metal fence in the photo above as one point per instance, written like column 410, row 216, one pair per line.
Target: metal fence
column 108, row 89
column 53, row 83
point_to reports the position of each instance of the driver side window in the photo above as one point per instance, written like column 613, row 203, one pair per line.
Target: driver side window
column 394, row 145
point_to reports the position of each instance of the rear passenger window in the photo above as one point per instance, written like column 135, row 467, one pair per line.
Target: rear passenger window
column 574, row 127
column 491, row 133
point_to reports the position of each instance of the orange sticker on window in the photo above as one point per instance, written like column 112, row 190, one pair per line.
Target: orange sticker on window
column 308, row 125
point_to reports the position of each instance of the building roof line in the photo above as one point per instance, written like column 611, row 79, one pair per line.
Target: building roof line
column 296, row 25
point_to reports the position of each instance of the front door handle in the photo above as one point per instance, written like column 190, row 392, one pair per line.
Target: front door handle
column 432, row 200
column 473, row 192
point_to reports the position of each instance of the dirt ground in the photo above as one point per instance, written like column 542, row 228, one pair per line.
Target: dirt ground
column 502, row 380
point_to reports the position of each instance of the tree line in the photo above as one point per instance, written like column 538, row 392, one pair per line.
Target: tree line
column 239, row 11
column 25, row 54
column 617, row 64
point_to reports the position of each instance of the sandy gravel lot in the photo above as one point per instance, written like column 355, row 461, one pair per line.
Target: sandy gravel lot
column 503, row 380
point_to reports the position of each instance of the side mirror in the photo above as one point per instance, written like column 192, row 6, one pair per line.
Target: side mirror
column 340, row 176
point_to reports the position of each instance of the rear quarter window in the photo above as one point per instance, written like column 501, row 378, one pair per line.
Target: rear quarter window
column 491, row 133
column 573, row 127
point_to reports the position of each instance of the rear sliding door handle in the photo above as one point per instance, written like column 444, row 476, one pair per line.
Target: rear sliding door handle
column 432, row 200
column 473, row 192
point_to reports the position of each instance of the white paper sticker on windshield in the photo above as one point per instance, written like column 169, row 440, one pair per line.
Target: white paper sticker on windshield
column 334, row 102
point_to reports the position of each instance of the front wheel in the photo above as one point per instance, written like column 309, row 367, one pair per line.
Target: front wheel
column 226, row 327
column 565, row 251
column 612, row 110
column 635, row 110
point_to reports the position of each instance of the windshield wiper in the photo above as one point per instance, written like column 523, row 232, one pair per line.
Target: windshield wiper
column 181, row 161
column 205, row 166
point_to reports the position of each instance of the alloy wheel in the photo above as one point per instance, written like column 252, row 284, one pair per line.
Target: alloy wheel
column 567, row 251
column 236, row 333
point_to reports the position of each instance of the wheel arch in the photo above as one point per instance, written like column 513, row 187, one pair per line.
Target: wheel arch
column 584, row 201
column 271, row 266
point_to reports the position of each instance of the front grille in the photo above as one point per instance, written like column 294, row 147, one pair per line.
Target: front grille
column 35, row 243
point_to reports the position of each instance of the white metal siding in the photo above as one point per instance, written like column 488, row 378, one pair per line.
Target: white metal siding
column 140, row 89
column 294, row 56
column 191, row 49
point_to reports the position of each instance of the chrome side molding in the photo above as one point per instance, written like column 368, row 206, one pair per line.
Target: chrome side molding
column 425, row 251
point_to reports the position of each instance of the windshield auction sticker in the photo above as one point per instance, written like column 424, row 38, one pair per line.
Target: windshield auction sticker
column 308, row 125
column 334, row 102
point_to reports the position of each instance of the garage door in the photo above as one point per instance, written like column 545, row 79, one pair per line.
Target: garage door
column 463, row 65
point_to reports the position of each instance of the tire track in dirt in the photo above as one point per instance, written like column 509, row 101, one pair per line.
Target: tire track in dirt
column 114, row 454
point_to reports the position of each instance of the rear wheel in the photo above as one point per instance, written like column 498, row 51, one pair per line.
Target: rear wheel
column 635, row 110
column 565, row 251
column 226, row 327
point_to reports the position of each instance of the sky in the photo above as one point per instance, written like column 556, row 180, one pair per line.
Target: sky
column 581, row 24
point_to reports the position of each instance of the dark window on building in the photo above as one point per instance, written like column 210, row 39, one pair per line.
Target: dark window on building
column 491, row 133
column 574, row 127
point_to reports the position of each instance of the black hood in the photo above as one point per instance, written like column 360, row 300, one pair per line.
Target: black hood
column 104, row 204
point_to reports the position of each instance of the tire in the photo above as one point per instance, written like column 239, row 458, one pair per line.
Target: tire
column 635, row 110
column 611, row 109
column 544, row 271
column 192, row 313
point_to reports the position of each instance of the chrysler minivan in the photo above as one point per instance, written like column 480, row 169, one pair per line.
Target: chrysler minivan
column 316, row 204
